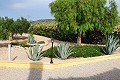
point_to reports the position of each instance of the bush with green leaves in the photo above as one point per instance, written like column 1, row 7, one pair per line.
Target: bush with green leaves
column 87, row 51
column 31, row 39
column 111, row 45
column 41, row 42
column 48, row 52
column 64, row 50
column 21, row 43
column 35, row 53
column 3, row 33
column 79, row 51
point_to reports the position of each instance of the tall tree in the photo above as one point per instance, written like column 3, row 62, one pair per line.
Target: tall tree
column 3, row 30
column 78, row 16
column 11, row 27
column 22, row 25
column 8, row 25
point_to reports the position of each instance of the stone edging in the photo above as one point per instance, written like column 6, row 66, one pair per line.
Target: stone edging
column 55, row 66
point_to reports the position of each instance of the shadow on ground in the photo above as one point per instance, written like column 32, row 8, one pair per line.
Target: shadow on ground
column 35, row 73
column 113, row 74
column 3, row 44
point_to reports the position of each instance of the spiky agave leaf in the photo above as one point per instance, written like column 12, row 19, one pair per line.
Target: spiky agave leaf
column 35, row 53
column 40, row 54
column 31, row 39
column 111, row 45
column 64, row 50
column 30, row 53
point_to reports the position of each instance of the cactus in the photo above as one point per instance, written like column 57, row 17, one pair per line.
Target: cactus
column 35, row 53
column 111, row 45
column 64, row 51
column 31, row 39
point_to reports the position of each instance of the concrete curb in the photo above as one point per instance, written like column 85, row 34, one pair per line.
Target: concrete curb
column 55, row 66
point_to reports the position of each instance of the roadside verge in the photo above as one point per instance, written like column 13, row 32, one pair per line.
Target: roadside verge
column 57, row 65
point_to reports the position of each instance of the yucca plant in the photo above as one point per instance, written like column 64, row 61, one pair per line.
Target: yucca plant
column 111, row 45
column 35, row 53
column 31, row 39
column 64, row 50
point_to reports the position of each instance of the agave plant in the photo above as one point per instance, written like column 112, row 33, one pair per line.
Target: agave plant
column 31, row 39
column 64, row 50
column 35, row 53
column 111, row 45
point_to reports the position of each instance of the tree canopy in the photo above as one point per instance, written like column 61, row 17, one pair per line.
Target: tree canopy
column 79, row 16
column 9, row 26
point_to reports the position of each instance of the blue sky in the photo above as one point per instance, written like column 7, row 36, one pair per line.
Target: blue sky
column 30, row 9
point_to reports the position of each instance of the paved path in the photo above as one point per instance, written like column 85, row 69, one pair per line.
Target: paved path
column 103, row 70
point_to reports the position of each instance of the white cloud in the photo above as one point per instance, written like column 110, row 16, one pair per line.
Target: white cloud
column 31, row 4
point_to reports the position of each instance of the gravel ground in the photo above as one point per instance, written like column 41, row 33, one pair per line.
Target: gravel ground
column 105, row 70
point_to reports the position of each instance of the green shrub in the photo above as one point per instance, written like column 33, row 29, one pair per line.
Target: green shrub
column 79, row 51
column 111, row 45
column 21, row 43
column 24, row 45
column 87, row 51
column 48, row 52
column 15, row 43
column 41, row 42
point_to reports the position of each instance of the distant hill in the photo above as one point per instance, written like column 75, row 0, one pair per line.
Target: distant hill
column 43, row 20
column 44, row 23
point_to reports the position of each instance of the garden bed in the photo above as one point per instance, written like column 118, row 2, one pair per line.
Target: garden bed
column 19, row 53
